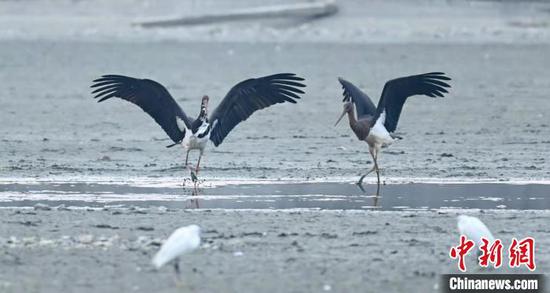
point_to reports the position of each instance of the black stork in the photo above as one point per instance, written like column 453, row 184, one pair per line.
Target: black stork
column 375, row 125
column 239, row 103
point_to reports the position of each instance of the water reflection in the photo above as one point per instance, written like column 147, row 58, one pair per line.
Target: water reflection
column 340, row 196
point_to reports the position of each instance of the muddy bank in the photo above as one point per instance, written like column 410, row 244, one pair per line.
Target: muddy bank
column 109, row 250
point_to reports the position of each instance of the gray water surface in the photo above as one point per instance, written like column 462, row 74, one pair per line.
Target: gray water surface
column 329, row 196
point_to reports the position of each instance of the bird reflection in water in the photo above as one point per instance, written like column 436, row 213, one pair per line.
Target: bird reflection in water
column 365, row 191
column 375, row 197
column 193, row 182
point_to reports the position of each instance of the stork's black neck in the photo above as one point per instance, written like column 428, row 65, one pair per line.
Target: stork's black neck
column 203, row 115
column 202, row 119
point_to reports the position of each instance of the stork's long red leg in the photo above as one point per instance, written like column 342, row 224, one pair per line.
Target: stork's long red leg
column 363, row 177
column 198, row 164
column 187, row 157
column 360, row 182
column 377, row 171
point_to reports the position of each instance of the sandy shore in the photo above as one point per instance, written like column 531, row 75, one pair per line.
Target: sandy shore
column 109, row 250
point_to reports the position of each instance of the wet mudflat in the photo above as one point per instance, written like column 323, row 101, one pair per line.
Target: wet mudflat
column 110, row 249
column 276, row 196
column 494, row 124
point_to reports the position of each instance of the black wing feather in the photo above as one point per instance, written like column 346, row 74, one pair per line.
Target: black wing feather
column 363, row 104
column 149, row 95
column 249, row 96
column 397, row 91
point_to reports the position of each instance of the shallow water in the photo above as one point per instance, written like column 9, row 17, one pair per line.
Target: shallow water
column 329, row 196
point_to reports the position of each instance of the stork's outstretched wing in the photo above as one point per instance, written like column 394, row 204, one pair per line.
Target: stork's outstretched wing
column 249, row 96
column 397, row 91
column 149, row 95
column 363, row 104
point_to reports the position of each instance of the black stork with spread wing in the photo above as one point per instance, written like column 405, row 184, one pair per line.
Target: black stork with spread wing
column 375, row 125
column 239, row 103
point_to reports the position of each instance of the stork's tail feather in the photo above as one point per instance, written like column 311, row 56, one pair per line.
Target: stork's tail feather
column 395, row 136
column 174, row 144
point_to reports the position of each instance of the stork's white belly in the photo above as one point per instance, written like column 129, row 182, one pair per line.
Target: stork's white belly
column 378, row 134
column 199, row 139
column 196, row 142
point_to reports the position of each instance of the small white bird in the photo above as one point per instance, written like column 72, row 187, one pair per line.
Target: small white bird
column 474, row 229
column 182, row 241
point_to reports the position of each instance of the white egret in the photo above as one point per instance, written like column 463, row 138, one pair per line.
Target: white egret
column 183, row 240
column 474, row 229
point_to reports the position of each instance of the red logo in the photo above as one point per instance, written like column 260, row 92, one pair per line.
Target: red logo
column 461, row 250
column 522, row 252
column 491, row 254
column 519, row 253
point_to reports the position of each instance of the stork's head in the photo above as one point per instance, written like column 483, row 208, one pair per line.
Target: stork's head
column 348, row 107
column 204, row 106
